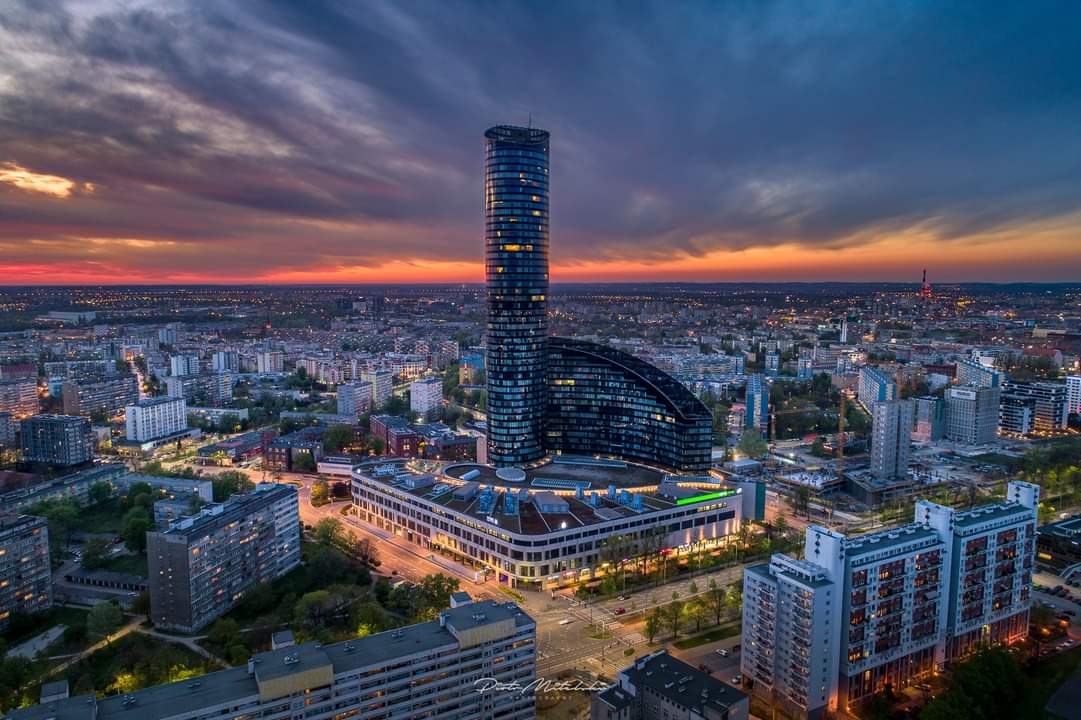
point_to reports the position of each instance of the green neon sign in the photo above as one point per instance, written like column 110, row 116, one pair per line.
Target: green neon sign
column 703, row 497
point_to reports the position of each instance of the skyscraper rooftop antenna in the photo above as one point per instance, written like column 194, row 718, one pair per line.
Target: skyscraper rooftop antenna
column 531, row 127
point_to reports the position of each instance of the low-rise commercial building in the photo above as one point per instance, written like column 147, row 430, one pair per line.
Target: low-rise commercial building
column 661, row 686
column 200, row 567
column 552, row 525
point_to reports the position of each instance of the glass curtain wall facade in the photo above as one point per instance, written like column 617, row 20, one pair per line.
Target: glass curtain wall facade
column 605, row 402
column 516, row 270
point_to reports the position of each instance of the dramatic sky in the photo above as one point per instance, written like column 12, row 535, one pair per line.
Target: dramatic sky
column 301, row 141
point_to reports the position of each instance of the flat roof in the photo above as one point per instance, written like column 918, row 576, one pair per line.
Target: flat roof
column 598, row 475
column 234, row 684
column 997, row 511
column 683, row 684
column 887, row 539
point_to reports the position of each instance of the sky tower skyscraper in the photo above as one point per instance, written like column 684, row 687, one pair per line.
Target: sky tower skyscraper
column 516, row 272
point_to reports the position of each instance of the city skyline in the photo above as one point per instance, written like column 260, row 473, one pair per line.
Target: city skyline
column 272, row 144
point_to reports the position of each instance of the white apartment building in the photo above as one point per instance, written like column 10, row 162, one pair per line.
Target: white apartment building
column 426, row 396
column 19, row 397
column 180, row 365
column 875, row 386
column 225, row 361
column 382, row 382
column 156, row 418
column 355, row 398
column 271, row 361
column 829, row 632
column 1073, row 394
column 796, row 669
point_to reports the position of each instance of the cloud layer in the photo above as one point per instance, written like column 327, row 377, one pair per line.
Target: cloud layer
column 306, row 141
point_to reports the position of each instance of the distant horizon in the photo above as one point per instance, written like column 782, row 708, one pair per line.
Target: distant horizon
column 609, row 283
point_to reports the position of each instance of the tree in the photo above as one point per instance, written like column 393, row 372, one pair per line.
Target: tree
column 653, row 624
column 136, row 525
column 329, row 532
column 224, row 633
column 103, row 620
column 95, row 553
column 229, row 483
column 801, row 501
column 433, row 594
column 320, row 492
column 715, row 600
column 304, row 462
column 135, row 491
column 697, row 611
column 752, row 444
column 141, row 605
column 674, row 614
column 609, row 586
column 337, row 437
column 100, row 492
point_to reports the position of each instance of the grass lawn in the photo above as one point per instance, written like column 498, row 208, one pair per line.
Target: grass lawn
column 717, row 633
column 130, row 564
column 1043, row 679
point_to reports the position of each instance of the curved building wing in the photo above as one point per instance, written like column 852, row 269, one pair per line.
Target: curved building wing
column 602, row 401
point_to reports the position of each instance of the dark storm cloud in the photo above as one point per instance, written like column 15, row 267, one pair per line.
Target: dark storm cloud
column 350, row 132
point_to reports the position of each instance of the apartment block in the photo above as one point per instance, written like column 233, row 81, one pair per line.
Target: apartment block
column 105, row 395
column 382, row 382
column 19, row 397
column 61, row 440
column 973, row 372
column 1016, row 414
column 426, row 396
column 875, row 386
column 430, row 670
column 891, row 439
column 202, row 388
column 791, row 627
column 1073, row 394
column 272, row 361
column 25, row 573
column 355, row 398
column 1050, row 404
column 757, row 412
column 156, row 418
column 202, row 566
column 183, row 365
column 887, row 608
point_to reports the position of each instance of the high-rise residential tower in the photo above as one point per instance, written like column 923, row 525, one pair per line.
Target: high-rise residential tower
column 516, row 269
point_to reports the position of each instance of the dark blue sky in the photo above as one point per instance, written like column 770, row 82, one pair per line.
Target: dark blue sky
column 698, row 140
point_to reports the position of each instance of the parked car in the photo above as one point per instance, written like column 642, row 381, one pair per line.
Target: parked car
column 722, row 652
column 737, row 679
column 621, row 610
